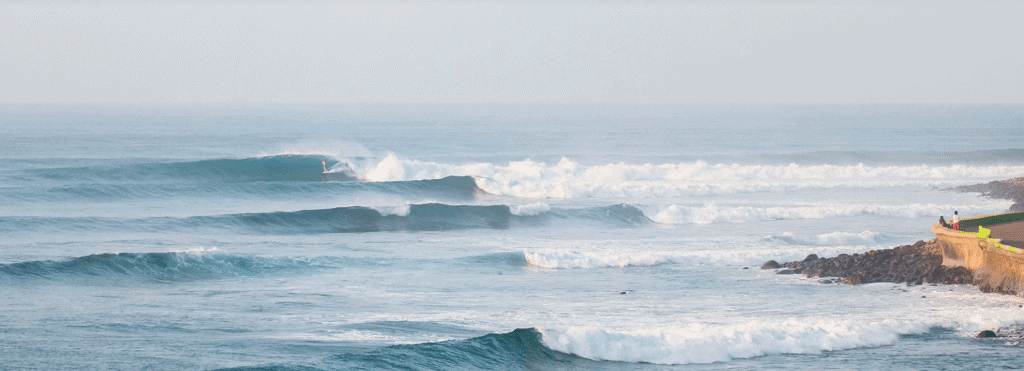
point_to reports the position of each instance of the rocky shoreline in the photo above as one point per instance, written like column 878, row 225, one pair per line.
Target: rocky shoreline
column 915, row 264
column 911, row 264
column 1010, row 189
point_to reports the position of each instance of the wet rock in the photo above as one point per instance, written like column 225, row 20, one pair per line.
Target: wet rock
column 1015, row 332
column 986, row 334
column 771, row 264
column 911, row 264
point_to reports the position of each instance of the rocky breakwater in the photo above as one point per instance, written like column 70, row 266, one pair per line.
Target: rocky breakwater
column 911, row 264
column 1010, row 189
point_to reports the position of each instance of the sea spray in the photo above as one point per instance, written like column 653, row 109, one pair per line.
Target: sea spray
column 698, row 343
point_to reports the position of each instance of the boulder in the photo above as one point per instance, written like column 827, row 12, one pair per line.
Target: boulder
column 911, row 264
column 986, row 334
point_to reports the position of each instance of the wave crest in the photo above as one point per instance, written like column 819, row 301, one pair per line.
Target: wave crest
column 160, row 267
column 255, row 169
column 712, row 213
column 710, row 344
column 594, row 259
column 569, row 179
column 829, row 239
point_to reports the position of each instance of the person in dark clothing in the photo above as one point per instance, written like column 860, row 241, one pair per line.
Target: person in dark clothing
column 942, row 222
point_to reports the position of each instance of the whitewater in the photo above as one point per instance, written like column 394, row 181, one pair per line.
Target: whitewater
column 469, row 237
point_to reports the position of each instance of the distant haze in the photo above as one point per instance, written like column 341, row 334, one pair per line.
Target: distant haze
column 512, row 52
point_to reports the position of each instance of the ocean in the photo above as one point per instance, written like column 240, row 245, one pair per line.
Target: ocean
column 479, row 237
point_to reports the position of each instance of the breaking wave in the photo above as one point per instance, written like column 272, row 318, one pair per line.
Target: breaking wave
column 697, row 344
column 521, row 349
column 723, row 254
column 712, row 213
column 429, row 217
column 590, row 348
column 421, row 217
column 829, row 239
column 593, row 259
column 569, row 179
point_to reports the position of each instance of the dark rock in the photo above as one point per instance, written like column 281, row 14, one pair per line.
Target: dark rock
column 746, row 267
column 854, row 280
column 911, row 264
column 986, row 334
column 771, row 264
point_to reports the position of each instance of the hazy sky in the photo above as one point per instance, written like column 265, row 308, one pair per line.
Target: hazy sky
column 483, row 51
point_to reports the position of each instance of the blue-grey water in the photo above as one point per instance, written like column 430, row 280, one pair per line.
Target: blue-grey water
column 487, row 237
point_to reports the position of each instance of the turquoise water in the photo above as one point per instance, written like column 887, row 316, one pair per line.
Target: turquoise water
column 487, row 237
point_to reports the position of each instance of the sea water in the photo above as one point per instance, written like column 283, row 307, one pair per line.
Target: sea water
column 433, row 237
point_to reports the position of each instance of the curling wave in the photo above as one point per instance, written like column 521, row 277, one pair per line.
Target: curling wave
column 161, row 267
column 348, row 219
column 305, row 168
column 521, row 349
column 429, row 217
column 452, row 187
column 589, row 348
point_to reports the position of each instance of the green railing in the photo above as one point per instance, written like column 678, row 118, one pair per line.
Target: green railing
column 991, row 219
column 984, row 233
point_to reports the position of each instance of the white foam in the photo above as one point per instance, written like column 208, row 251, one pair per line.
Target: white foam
column 829, row 239
column 591, row 259
column 723, row 254
column 568, row 179
column 388, row 170
column 533, row 209
column 339, row 150
column 370, row 336
column 712, row 213
column 196, row 250
column 399, row 210
column 696, row 343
